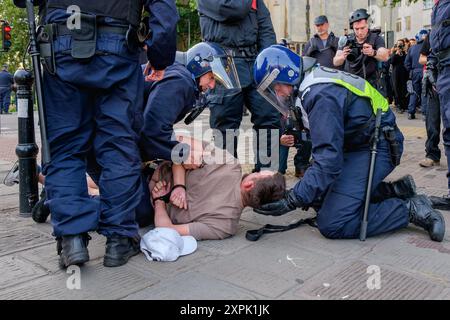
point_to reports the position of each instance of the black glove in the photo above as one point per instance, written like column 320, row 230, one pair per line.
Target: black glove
column 282, row 206
column 432, row 74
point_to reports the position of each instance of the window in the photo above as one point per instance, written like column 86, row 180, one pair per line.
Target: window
column 398, row 26
column 427, row 4
column 408, row 23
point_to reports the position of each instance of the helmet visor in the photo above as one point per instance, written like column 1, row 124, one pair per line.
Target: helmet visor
column 279, row 95
column 225, row 76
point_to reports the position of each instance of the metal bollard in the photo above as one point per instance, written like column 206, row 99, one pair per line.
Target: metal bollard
column 27, row 148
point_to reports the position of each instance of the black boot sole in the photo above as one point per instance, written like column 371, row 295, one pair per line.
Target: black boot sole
column 77, row 259
column 117, row 262
column 440, row 203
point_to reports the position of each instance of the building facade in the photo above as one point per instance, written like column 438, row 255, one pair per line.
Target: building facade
column 292, row 19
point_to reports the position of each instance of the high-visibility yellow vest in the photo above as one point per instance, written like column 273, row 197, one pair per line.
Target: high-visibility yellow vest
column 354, row 84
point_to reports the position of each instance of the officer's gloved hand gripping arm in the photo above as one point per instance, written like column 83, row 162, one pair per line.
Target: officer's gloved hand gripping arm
column 162, row 45
column 325, row 115
column 225, row 10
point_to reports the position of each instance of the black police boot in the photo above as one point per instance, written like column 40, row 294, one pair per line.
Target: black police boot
column 73, row 249
column 40, row 211
column 440, row 203
column 119, row 249
column 423, row 215
column 403, row 188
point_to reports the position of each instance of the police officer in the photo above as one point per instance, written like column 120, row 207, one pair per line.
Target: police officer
column 6, row 82
column 323, row 46
column 339, row 110
column 416, row 73
column 183, row 90
column 187, row 86
column 92, row 93
column 433, row 115
column 440, row 46
column 369, row 48
column 242, row 28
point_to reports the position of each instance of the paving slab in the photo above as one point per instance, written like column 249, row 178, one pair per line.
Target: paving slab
column 297, row 264
column 268, row 268
column 21, row 239
column 16, row 270
column 96, row 283
column 350, row 282
column 196, row 286
column 414, row 253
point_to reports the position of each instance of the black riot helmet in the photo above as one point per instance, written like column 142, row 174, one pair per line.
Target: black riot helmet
column 358, row 15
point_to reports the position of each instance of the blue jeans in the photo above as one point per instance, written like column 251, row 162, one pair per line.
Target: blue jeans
column 414, row 99
column 301, row 158
column 433, row 126
column 5, row 99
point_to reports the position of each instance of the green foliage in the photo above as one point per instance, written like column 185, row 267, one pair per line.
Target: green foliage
column 19, row 34
column 188, row 29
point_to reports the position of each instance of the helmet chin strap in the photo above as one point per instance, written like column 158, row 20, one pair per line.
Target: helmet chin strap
column 296, row 90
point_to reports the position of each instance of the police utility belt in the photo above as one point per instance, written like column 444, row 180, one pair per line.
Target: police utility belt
column 441, row 56
column 242, row 52
column 387, row 133
column 84, row 40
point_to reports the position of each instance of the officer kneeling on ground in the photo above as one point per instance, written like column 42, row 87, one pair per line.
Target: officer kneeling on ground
column 339, row 110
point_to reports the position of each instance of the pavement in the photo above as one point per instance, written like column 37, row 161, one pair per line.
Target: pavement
column 297, row 264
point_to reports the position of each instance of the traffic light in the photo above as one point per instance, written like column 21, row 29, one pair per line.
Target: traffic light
column 6, row 36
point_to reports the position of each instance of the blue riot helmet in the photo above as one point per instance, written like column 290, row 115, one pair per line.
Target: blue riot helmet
column 277, row 65
column 207, row 57
column 420, row 36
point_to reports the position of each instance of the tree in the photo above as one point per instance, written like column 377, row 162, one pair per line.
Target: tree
column 188, row 28
column 19, row 34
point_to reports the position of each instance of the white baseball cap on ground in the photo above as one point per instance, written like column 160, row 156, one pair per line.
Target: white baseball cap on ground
column 166, row 244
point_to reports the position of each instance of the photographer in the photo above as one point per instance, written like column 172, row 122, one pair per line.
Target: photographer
column 362, row 50
column 399, row 76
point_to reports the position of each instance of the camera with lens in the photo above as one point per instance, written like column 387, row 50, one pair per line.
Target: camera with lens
column 355, row 47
